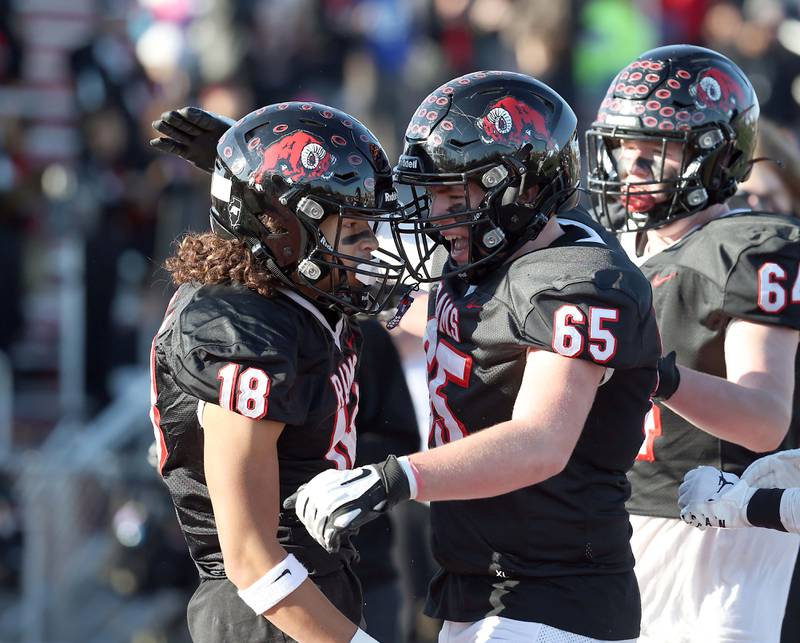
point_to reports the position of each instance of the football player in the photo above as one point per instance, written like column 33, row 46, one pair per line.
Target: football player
column 673, row 138
column 542, row 352
column 253, row 387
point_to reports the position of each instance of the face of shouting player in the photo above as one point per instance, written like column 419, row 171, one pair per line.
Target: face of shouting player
column 450, row 199
column 643, row 168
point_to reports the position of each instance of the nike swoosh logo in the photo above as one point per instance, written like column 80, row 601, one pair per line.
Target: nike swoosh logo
column 659, row 281
column 476, row 306
column 361, row 475
column 283, row 573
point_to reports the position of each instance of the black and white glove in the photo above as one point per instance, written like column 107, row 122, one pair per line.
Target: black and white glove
column 191, row 133
column 334, row 502
column 709, row 497
column 669, row 377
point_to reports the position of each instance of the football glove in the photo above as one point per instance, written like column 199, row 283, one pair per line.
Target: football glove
column 191, row 133
column 709, row 497
column 334, row 502
column 669, row 377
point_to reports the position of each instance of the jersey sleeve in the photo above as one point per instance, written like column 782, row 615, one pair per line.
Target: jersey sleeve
column 245, row 363
column 608, row 327
column 763, row 285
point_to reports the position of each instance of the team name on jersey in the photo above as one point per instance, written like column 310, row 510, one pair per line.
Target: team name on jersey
column 447, row 316
column 343, row 379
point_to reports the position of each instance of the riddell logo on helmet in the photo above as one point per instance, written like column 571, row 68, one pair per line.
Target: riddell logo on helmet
column 717, row 90
column 409, row 163
column 296, row 156
column 513, row 121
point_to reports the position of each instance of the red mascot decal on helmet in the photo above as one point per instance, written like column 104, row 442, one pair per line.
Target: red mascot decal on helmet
column 509, row 120
column 296, row 156
column 714, row 89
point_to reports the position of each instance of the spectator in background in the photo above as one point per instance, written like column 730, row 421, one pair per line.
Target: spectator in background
column 774, row 181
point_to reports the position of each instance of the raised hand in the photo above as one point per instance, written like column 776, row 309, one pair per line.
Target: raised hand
column 191, row 133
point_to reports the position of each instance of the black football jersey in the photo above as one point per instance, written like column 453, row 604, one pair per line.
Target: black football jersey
column 583, row 298
column 274, row 358
column 740, row 266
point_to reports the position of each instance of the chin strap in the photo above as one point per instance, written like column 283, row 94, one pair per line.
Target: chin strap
column 402, row 308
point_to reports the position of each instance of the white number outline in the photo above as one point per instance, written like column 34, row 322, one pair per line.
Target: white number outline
column 568, row 340
column 772, row 295
column 236, row 393
column 446, row 364
column 342, row 448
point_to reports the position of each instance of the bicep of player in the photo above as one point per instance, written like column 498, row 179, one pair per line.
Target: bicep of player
column 533, row 445
column 241, row 469
column 762, row 358
column 555, row 398
column 753, row 406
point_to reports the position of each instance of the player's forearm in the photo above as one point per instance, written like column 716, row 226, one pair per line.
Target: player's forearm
column 498, row 460
column 307, row 615
column 752, row 417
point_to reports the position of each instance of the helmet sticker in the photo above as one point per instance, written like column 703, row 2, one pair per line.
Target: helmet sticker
column 510, row 120
column 717, row 90
column 296, row 156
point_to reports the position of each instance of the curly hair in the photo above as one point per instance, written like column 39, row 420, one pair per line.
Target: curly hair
column 206, row 258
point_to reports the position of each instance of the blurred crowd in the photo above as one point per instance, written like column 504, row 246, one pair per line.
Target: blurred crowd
column 88, row 212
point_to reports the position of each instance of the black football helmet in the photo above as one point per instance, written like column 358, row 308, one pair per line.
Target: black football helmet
column 300, row 163
column 680, row 95
column 508, row 133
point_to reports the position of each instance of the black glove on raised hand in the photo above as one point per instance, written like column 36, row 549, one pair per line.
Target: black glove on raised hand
column 338, row 502
column 191, row 133
column 669, row 377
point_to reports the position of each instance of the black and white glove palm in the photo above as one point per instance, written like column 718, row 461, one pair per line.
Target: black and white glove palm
column 709, row 497
column 334, row 503
column 191, row 133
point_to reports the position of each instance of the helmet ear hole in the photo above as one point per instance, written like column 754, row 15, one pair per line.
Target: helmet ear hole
column 218, row 226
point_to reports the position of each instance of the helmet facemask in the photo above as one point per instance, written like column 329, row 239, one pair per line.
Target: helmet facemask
column 678, row 188
column 356, row 283
column 498, row 223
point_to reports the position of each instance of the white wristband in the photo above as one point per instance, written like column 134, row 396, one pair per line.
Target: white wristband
column 405, row 464
column 275, row 585
column 362, row 637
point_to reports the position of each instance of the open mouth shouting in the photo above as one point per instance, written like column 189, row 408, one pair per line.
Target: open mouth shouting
column 458, row 238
